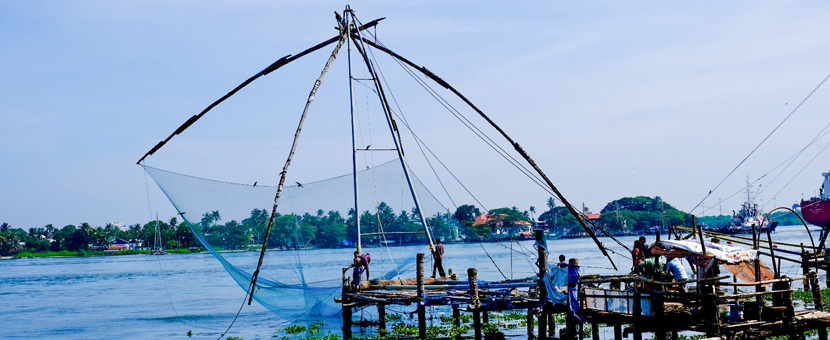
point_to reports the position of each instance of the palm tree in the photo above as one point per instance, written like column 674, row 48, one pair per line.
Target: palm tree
column 551, row 203
column 5, row 226
column 215, row 216
column 50, row 230
column 533, row 214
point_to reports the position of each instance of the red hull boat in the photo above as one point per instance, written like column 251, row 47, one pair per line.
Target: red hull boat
column 816, row 210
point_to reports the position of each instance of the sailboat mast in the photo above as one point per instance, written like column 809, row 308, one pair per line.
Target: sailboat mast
column 395, row 137
column 348, row 18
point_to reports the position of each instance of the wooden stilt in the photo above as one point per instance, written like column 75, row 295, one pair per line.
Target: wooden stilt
column 530, row 335
column 347, row 321
column 477, row 324
column 822, row 331
column 381, row 316
column 594, row 331
column 638, row 311
column 347, row 310
column 551, row 325
column 543, row 292
column 618, row 332
column 456, row 316
column 475, row 303
column 419, row 279
column 814, row 287
column 826, row 269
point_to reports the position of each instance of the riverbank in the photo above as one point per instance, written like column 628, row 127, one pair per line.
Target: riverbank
column 88, row 253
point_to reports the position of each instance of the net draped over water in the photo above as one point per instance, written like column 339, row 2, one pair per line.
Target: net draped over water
column 311, row 217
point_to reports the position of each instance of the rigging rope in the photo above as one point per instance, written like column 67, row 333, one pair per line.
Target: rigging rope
column 762, row 141
column 467, row 123
column 406, row 124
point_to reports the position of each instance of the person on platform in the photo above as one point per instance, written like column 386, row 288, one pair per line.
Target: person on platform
column 637, row 255
column 438, row 256
column 360, row 265
column 562, row 263
column 675, row 268
column 651, row 267
column 644, row 247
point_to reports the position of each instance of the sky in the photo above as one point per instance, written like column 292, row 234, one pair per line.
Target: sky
column 611, row 99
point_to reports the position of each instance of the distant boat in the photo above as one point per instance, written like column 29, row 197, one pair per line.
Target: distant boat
column 749, row 217
column 816, row 210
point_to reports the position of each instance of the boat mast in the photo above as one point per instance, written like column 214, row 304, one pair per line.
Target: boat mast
column 348, row 16
column 395, row 136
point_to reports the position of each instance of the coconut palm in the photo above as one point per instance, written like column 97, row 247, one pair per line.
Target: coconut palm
column 215, row 216
column 533, row 214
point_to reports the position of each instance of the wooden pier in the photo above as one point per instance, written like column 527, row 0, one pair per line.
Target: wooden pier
column 632, row 305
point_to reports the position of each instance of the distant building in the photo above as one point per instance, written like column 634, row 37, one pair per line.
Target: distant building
column 120, row 226
column 119, row 244
column 524, row 226
column 592, row 217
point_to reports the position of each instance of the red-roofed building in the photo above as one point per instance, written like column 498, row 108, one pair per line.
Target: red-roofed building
column 523, row 226
column 593, row 217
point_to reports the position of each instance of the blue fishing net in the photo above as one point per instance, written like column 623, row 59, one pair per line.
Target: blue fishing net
column 302, row 271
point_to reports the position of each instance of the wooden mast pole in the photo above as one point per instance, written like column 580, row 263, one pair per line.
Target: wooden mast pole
column 393, row 128
column 311, row 95
column 349, row 18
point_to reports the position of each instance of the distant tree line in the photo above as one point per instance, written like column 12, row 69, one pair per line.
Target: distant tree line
column 330, row 229
column 85, row 237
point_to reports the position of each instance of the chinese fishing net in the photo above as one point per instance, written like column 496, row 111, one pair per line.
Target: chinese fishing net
column 302, row 271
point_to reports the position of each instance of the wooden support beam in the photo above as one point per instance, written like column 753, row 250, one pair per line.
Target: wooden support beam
column 475, row 303
column 422, row 322
column 347, row 322
column 543, row 292
column 551, row 326
column 595, row 330
column 530, row 335
column 638, row 311
column 381, row 316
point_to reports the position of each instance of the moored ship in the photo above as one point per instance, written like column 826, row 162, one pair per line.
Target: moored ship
column 816, row 210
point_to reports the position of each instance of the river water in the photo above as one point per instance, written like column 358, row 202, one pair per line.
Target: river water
column 154, row 297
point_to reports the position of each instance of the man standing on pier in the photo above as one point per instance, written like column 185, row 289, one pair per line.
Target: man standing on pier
column 360, row 264
column 438, row 257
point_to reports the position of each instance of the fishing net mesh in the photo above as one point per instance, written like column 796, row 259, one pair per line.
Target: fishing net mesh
column 301, row 272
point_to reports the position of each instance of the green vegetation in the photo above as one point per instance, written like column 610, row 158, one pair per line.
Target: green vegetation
column 299, row 331
column 640, row 213
column 86, row 240
column 331, row 229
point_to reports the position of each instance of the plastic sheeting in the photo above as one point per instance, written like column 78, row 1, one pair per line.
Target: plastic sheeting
column 726, row 253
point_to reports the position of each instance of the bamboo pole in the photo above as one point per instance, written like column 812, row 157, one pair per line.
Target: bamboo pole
column 422, row 322
column 543, row 292
column 311, row 95
column 475, row 303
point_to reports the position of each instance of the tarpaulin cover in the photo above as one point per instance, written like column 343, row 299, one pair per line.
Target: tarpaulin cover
column 726, row 253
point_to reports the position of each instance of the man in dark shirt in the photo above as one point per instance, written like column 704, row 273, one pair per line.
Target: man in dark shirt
column 360, row 265
column 438, row 256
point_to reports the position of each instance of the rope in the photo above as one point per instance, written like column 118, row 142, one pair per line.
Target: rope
column 800, row 171
column 494, row 261
column 406, row 124
column 472, row 127
column 237, row 312
column 792, row 158
column 762, row 141
column 417, row 140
